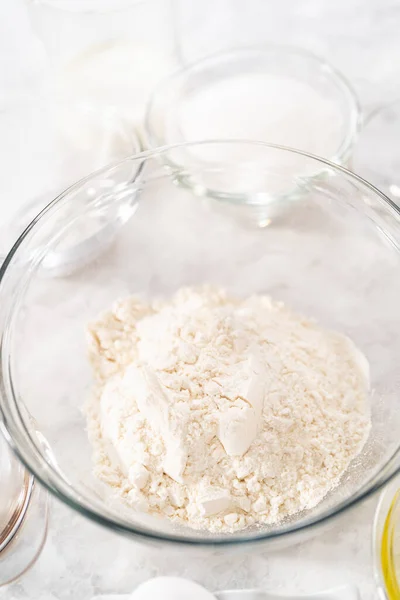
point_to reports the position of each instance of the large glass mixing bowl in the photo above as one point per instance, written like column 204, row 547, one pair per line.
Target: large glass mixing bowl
column 331, row 252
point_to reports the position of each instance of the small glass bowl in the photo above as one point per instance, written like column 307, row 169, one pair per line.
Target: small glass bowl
column 164, row 124
column 23, row 517
column 387, row 542
column 168, row 122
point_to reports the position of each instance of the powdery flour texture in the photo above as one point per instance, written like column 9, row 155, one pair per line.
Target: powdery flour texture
column 219, row 412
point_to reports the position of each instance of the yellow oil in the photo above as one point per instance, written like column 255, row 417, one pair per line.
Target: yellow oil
column 390, row 558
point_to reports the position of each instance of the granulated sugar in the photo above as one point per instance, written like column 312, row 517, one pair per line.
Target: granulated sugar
column 257, row 106
column 218, row 412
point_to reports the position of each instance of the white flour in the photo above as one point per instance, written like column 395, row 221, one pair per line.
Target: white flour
column 220, row 413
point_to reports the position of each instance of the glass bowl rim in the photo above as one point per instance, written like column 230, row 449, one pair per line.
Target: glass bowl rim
column 153, row 141
column 17, row 434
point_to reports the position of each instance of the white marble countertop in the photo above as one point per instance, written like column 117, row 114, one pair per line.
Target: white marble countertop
column 80, row 559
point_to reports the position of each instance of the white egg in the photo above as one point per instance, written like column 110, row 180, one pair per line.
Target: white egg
column 171, row 588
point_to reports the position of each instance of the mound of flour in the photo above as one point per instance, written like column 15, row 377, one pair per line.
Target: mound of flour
column 220, row 413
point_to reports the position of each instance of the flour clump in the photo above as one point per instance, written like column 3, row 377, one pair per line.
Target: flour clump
column 219, row 412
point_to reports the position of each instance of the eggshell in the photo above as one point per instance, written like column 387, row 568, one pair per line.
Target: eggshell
column 171, row 588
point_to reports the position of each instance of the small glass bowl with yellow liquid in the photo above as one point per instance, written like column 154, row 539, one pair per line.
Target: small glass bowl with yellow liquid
column 387, row 542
